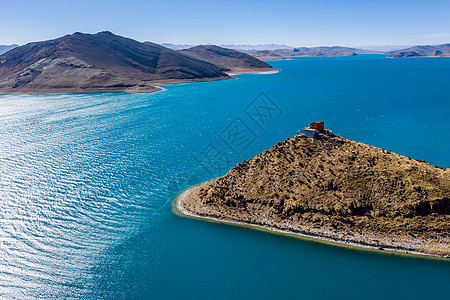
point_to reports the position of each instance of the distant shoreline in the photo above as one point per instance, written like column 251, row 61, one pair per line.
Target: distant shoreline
column 179, row 208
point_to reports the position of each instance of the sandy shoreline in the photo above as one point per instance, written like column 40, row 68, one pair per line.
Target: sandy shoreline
column 179, row 208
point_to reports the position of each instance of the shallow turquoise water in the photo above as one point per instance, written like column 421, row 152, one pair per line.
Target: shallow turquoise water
column 86, row 183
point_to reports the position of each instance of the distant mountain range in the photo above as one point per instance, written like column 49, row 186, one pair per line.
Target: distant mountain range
column 176, row 47
column 257, row 47
column 233, row 46
column 316, row 51
column 323, row 51
column 387, row 48
column 268, row 55
column 279, row 52
column 105, row 62
column 417, row 51
column 6, row 48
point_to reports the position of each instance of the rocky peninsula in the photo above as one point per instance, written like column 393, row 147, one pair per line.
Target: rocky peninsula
column 327, row 187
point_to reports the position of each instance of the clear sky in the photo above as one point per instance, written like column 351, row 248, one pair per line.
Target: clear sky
column 292, row 22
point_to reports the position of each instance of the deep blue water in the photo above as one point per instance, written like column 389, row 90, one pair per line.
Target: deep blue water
column 86, row 183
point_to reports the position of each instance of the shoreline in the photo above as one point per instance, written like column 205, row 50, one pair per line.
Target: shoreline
column 157, row 85
column 253, row 71
column 150, row 89
column 179, row 209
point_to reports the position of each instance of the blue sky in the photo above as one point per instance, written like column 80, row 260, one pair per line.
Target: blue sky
column 296, row 23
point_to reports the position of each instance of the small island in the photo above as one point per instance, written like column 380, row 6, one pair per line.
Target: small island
column 323, row 186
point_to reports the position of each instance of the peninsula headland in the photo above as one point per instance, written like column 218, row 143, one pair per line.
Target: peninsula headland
column 327, row 187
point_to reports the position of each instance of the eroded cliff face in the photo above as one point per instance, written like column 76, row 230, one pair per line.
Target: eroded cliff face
column 338, row 185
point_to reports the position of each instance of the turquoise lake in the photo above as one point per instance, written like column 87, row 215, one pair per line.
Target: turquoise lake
column 86, row 184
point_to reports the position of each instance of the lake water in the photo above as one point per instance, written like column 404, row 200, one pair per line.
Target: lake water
column 86, row 183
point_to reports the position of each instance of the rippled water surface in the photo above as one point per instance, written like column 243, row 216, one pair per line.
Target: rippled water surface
column 86, row 183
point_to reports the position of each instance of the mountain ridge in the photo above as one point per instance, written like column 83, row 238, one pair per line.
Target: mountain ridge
column 231, row 61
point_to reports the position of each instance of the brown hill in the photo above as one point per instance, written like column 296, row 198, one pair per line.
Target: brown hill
column 229, row 60
column 336, row 189
column 97, row 62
